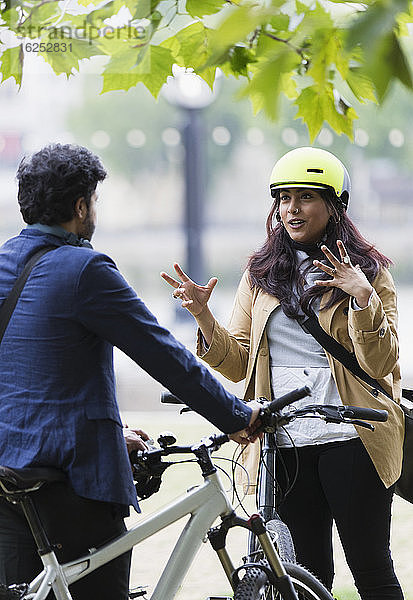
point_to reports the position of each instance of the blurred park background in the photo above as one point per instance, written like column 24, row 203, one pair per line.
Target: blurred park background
column 142, row 202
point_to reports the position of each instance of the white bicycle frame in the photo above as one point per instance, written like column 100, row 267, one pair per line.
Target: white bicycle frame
column 204, row 503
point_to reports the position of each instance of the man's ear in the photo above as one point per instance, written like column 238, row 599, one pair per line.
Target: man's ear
column 80, row 208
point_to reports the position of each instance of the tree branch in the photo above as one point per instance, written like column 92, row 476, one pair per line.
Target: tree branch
column 287, row 42
column 29, row 16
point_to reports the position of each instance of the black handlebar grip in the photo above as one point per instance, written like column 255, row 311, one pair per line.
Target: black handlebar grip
column 221, row 438
column 365, row 414
column 168, row 398
column 286, row 399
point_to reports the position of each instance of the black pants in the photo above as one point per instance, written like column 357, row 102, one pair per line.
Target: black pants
column 337, row 481
column 77, row 524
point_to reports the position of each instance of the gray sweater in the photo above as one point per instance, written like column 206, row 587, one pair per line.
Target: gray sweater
column 292, row 350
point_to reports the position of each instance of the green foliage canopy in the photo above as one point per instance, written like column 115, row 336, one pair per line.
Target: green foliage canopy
column 325, row 56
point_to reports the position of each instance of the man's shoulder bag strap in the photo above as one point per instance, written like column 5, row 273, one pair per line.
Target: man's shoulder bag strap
column 10, row 301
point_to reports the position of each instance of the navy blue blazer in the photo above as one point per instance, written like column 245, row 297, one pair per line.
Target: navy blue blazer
column 57, row 389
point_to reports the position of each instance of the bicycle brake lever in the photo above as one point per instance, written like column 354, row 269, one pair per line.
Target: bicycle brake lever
column 361, row 424
column 350, row 422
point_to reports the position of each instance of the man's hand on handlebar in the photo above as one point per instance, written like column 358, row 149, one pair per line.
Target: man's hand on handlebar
column 249, row 434
column 135, row 439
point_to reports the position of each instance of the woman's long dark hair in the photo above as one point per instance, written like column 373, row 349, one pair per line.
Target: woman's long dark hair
column 274, row 268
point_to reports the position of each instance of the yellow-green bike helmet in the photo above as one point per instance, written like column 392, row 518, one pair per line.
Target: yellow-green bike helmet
column 313, row 168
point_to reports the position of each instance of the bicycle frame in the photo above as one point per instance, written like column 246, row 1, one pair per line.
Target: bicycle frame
column 266, row 488
column 266, row 499
column 204, row 504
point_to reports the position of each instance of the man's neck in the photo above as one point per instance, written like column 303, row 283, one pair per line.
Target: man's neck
column 66, row 234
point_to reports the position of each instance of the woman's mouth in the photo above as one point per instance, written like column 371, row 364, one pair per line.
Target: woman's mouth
column 296, row 223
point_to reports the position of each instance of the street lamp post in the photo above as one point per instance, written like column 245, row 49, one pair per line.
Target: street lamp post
column 194, row 144
column 192, row 95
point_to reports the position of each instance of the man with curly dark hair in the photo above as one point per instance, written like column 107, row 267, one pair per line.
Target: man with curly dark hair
column 52, row 178
column 57, row 387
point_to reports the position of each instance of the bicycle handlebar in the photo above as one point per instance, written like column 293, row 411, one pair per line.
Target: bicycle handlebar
column 148, row 466
column 168, row 398
column 367, row 414
column 283, row 401
column 276, row 405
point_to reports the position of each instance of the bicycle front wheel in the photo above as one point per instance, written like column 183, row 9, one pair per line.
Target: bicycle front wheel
column 281, row 537
column 255, row 586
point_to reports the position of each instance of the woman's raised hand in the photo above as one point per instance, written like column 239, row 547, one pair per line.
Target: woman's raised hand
column 194, row 297
column 346, row 276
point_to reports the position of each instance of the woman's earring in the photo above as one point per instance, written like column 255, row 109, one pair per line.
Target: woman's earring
column 278, row 216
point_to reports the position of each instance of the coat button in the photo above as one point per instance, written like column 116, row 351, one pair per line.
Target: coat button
column 375, row 392
column 345, row 311
column 382, row 332
column 263, row 352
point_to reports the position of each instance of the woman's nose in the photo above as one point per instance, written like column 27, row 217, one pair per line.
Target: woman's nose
column 294, row 208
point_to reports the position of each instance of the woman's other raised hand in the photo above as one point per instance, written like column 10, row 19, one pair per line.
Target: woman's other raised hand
column 346, row 276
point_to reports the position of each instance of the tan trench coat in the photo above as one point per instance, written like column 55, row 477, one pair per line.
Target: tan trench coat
column 241, row 352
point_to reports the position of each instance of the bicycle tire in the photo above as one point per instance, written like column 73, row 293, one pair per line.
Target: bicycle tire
column 281, row 536
column 282, row 540
column 255, row 586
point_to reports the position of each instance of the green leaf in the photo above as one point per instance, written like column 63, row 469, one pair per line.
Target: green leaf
column 386, row 62
column 174, row 46
column 280, row 22
column 199, row 8
column 361, row 85
column 193, row 44
column 208, row 75
column 311, row 110
column 38, row 20
column 88, row 2
column 315, row 20
column 43, row 13
column 191, row 47
column 97, row 17
column 12, row 64
column 236, row 28
column 271, row 77
column 316, row 105
column 125, row 70
column 69, row 53
column 122, row 39
column 327, row 51
column 144, row 8
column 393, row 52
column 374, row 23
column 240, row 59
column 404, row 21
column 300, row 7
column 10, row 18
column 161, row 61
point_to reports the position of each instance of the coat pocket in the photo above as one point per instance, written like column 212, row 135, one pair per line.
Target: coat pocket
column 97, row 410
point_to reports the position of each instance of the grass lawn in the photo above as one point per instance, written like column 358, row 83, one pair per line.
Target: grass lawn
column 206, row 576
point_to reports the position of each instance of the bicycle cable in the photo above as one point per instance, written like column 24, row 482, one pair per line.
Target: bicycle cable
column 289, row 485
column 236, row 463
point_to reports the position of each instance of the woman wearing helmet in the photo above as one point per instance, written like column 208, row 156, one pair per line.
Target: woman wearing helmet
column 314, row 260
